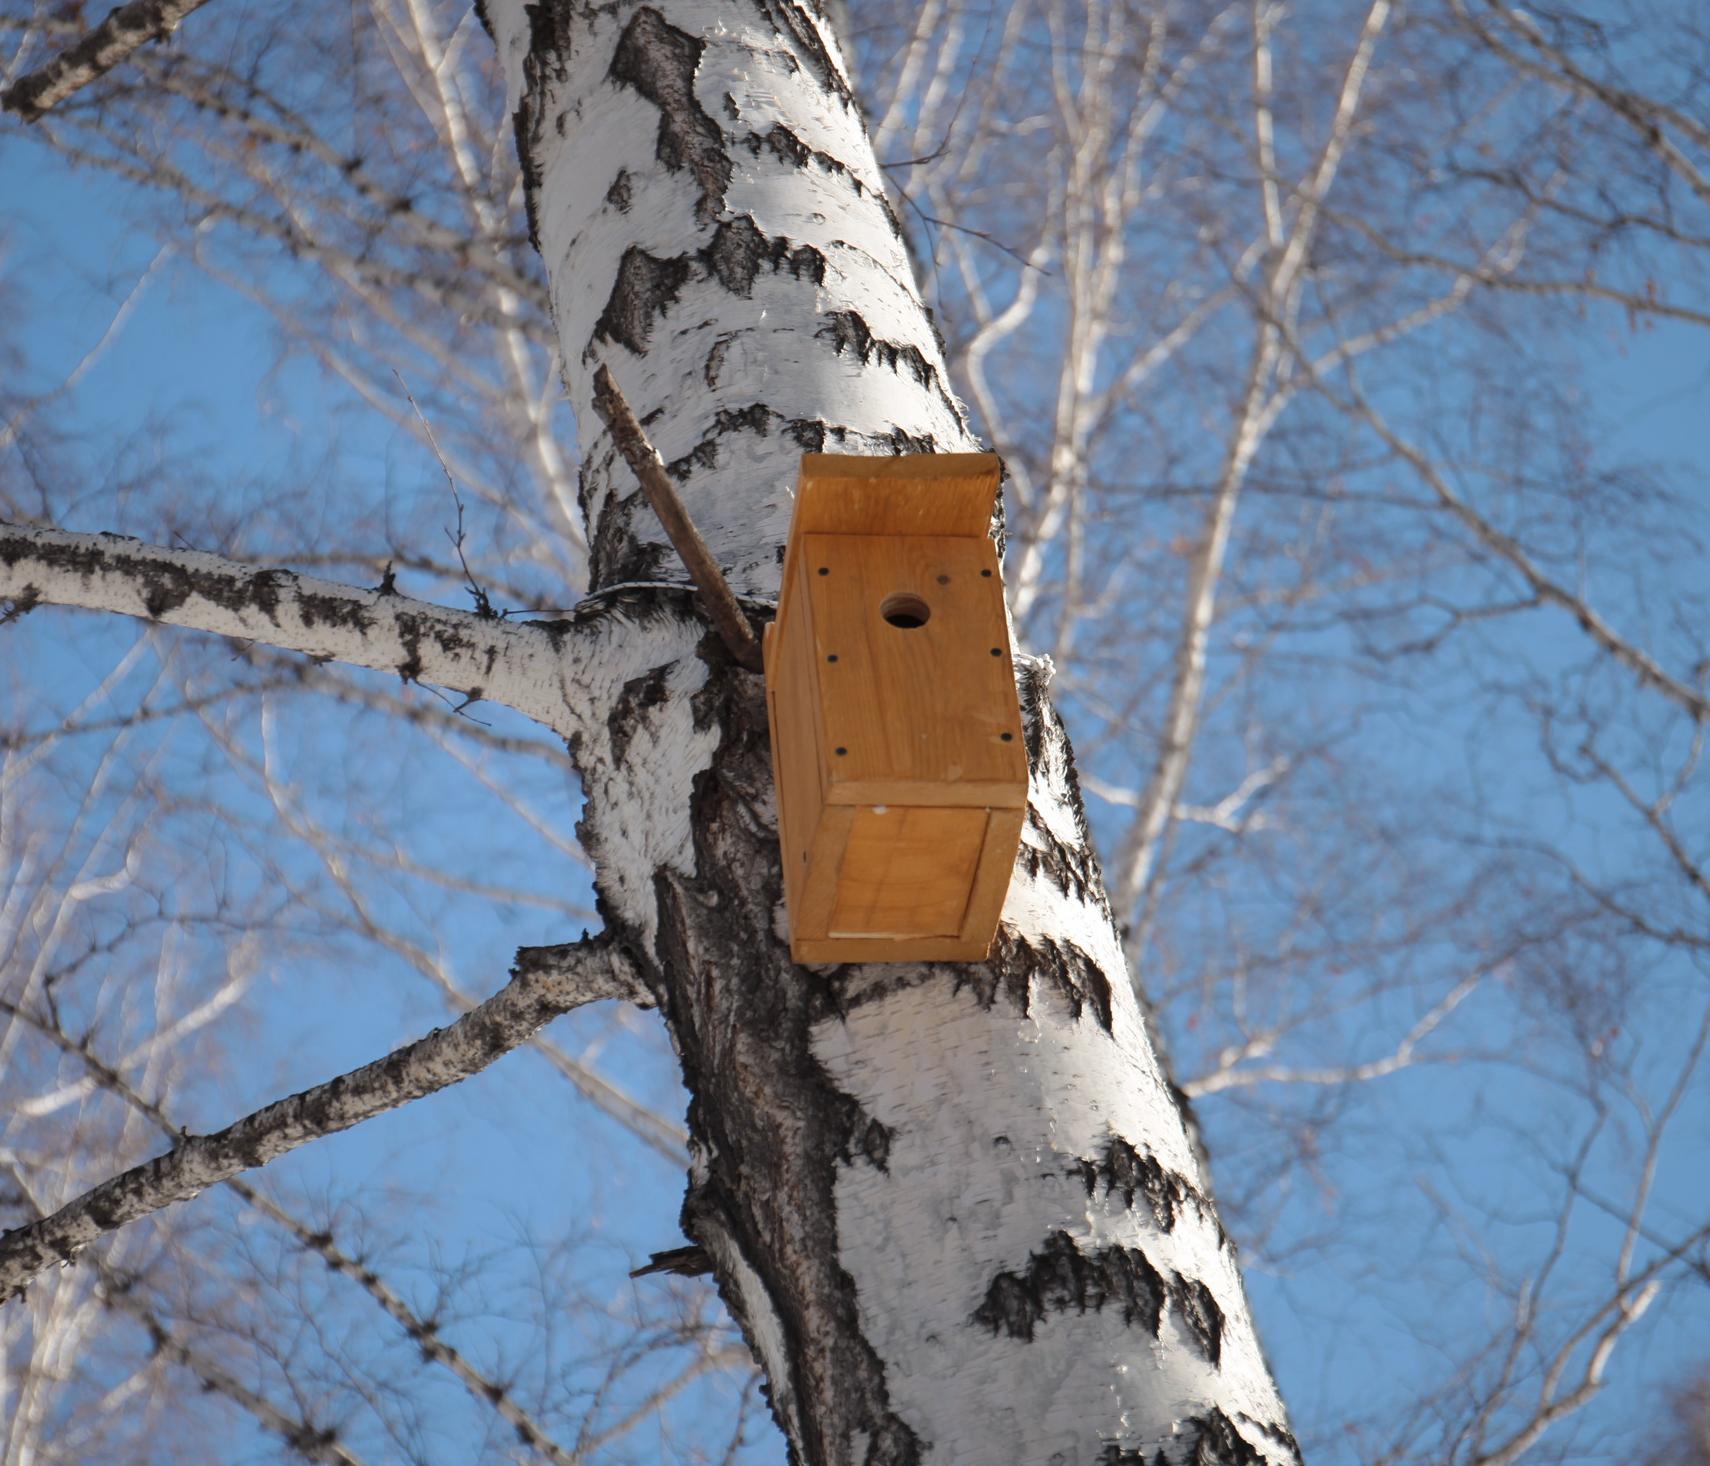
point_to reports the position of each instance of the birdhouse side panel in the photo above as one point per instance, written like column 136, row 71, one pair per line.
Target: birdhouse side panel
column 798, row 757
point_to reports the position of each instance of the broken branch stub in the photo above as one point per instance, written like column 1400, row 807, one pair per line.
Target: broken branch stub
column 649, row 468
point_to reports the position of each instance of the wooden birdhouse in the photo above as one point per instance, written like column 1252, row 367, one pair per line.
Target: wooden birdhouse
column 896, row 731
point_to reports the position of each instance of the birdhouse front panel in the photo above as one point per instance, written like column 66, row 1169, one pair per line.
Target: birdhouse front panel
column 917, row 690
column 896, row 731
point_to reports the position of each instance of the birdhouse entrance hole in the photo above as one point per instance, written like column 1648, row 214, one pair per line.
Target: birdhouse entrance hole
column 901, row 773
column 905, row 611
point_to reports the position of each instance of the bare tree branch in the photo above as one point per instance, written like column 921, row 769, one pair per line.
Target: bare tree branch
column 545, row 983
column 424, row 1331
column 509, row 662
column 310, row 1441
column 123, row 31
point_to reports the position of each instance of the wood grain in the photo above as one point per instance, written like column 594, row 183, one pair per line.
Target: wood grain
column 896, row 730
column 927, row 706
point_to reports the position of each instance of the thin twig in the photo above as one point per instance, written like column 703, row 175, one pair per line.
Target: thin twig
column 645, row 462
column 483, row 604
column 545, row 983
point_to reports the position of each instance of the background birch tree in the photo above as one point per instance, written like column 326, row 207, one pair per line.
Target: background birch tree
column 1304, row 589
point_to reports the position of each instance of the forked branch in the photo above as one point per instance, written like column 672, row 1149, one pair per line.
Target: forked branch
column 545, row 983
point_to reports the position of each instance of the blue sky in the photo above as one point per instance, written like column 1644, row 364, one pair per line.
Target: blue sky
column 487, row 1159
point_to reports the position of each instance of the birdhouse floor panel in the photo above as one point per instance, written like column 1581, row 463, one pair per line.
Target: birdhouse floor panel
column 904, row 885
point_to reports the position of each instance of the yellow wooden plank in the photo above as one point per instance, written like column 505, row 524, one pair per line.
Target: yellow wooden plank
column 914, row 706
column 810, row 916
column 918, row 493
column 798, row 754
column 1004, row 793
column 879, row 949
column 991, row 880
column 907, row 872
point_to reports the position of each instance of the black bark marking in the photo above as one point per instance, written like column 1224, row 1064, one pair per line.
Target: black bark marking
column 1017, row 963
column 548, row 46
column 1122, row 1170
column 874, row 1143
column 904, row 443
column 660, row 62
column 755, row 418
column 739, row 251
column 1218, row 1443
column 793, row 23
column 1072, row 867
column 620, row 195
column 685, row 1262
column 410, row 669
column 847, row 331
column 1271, row 1430
column 629, row 710
column 347, row 615
column 1200, row 1313
column 15, row 608
column 618, row 556
column 813, row 434
column 790, row 150
column 645, row 288
column 809, row 434
column 1061, row 1277
column 1212, row 1440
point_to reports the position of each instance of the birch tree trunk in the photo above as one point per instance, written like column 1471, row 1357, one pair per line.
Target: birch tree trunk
column 956, row 1208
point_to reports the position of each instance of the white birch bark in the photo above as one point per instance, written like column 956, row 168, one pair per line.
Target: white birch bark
column 524, row 665
column 955, row 1207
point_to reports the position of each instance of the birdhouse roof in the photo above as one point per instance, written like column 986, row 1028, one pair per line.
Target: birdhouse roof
column 918, row 493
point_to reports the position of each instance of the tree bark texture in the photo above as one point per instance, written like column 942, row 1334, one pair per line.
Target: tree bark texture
column 520, row 664
column 955, row 1207
column 125, row 29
